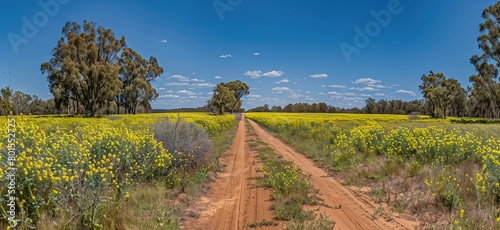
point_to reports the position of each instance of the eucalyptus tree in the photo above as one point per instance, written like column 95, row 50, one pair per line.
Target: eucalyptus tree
column 227, row 96
column 441, row 94
column 136, row 75
column 428, row 88
column 6, row 100
column 21, row 102
column 486, row 85
column 84, row 66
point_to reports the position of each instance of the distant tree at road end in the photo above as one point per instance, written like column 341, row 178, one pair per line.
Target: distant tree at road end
column 227, row 97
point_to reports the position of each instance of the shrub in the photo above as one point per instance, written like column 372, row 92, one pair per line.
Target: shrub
column 413, row 116
column 183, row 138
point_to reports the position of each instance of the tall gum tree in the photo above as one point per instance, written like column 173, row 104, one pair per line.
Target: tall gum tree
column 136, row 74
column 486, row 87
column 91, row 67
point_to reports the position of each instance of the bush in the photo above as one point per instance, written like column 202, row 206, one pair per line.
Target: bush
column 413, row 116
column 475, row 121
column 187, row 142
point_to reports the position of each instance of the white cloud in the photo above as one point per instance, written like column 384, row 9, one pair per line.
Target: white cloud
column 274, row 73
column 163, row 41
column 408, row 92
column 197, row 80
column 381, row 86
column 365, row 95
column 334, row 93
column 256, row 54
column 161, row 88
column 309, row 98
column 323, row 86
column 253, row 74
column 367, row 88
column 319, row 75
column 366, row 81
column 204, row 85
column 295, row 96
column 380, row 95
column 280, row 89
column 218, row 77
column 179, row 78
column 321, row 93
column 354, row 99
column 254, row 96
column 226, row 56
column 169, row 96
column 176, row 84
column 338, row 86
column 186, row 92
column 282, row 81
column 270, row 100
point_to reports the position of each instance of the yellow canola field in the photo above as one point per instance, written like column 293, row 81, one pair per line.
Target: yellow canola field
column 61, row 162
column 439, row 144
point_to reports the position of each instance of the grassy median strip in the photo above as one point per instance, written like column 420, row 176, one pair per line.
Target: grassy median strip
column 290, row 189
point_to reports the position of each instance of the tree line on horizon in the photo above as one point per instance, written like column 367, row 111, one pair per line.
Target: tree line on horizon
column 377, row 107
column 22, row 103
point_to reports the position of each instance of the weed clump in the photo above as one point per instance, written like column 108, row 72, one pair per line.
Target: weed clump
column 186, row 141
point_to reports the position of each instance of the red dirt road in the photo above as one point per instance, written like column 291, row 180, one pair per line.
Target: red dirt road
column 233, row 202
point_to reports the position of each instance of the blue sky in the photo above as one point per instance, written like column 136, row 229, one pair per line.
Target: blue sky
column 286, row 51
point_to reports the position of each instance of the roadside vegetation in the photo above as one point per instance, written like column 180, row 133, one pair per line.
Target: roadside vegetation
column 445, row 175
column 116, row 172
